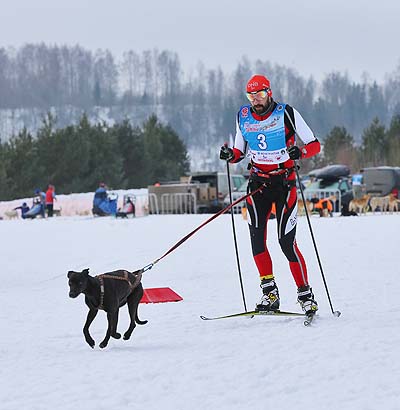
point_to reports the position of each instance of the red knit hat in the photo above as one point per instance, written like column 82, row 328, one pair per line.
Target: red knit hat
column 258, row 83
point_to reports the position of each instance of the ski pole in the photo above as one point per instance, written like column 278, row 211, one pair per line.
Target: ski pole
column 234, row 237
column 334, row 312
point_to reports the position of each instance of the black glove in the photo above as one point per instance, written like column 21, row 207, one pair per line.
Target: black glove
column 294, row 152
column 226, row 153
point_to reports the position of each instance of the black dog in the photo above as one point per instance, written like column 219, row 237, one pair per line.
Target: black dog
column 108, row 292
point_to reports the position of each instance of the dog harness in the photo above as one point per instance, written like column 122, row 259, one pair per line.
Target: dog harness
column 125, row 278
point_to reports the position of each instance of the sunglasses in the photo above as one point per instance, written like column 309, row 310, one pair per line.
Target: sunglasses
column 257, row 94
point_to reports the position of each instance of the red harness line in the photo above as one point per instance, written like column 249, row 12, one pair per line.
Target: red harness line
column 222, row 211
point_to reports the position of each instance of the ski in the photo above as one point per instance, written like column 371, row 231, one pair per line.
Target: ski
column 255, row 313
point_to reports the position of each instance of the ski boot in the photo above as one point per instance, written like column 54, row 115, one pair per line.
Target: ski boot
column 305, row 297
column 270, row 298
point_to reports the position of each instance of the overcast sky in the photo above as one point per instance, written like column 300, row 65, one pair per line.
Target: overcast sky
column 313, row 36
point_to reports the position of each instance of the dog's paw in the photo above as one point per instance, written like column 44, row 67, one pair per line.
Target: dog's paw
column 103, row 344
column 116, row 335
column 127, row 336
column 90, row 342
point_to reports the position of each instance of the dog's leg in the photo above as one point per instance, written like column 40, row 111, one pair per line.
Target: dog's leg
column 114, row 333
column 90, row 316
column 132, row 307
column 133, row 303
column 138, row 297
column 110, row 329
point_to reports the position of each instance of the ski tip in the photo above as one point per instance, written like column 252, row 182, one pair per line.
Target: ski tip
column 203, row 317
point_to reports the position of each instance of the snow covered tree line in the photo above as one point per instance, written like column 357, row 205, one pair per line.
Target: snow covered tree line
column 200, row 106
column 40, row 76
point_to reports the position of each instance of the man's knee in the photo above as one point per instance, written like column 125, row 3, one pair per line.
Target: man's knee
column 286, row 243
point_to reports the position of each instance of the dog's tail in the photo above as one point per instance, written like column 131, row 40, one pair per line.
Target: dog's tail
column 138, row 321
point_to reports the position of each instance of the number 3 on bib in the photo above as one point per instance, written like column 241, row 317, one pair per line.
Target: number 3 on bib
column 262, row 144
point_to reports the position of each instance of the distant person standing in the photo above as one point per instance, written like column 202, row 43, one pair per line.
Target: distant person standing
column 50, row 198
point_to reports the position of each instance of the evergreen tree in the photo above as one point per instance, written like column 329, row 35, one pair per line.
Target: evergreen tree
column 105, row 163
column 374, row 146
column 165, row 154
column 4, row 181
column 22, row 164
column 131, row 147
column 355, row 110
column 393, row 142
column 376, row 104
column 72, row 171
column 47, row 156
column 338, row 147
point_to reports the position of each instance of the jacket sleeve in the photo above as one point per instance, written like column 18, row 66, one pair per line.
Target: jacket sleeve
column 301, row 130
column 240, row 145
column 310, row 149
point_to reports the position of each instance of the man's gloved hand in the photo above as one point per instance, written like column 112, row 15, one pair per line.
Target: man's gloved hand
column 294, row 152
column 226, row 153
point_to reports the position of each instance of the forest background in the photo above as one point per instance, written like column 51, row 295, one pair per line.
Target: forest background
column 74, row 117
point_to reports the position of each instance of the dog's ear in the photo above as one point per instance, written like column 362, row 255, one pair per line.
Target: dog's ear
column 86, row 271
column 69, row 274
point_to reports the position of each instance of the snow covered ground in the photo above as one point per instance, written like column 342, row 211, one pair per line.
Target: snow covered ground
column 178, row 361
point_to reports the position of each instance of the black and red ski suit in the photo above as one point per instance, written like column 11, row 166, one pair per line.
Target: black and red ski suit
column 280, row 189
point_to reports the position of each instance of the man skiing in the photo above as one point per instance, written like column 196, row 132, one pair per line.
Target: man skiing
column 266, row 130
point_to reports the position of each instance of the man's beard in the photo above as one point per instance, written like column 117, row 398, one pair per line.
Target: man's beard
column 262, row 109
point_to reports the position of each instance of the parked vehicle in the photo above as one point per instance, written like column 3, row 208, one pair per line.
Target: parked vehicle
column 330, row 172
column 219, row 181
column 331, row 181
column 381, row 181
column 340, row 188
column 200, row 192
column 241, row 191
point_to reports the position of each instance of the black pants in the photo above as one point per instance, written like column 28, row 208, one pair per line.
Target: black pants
column 49, row 210
column 283, row 194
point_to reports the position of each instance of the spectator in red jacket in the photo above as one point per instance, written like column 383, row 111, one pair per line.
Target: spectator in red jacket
column 50, row 198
